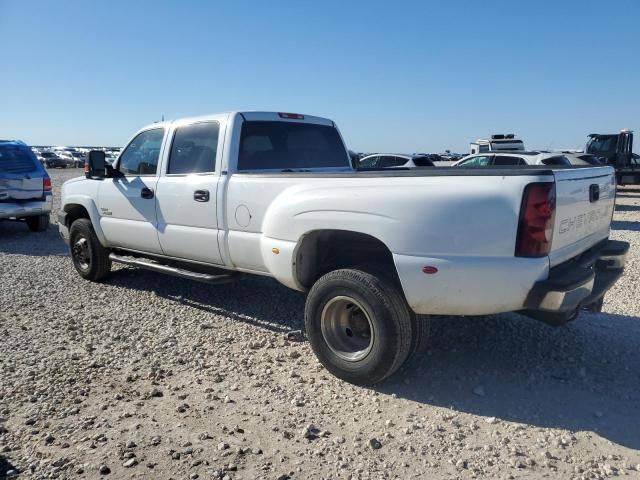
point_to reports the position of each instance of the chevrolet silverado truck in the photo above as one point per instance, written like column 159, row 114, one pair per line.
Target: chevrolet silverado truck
column 377, row 251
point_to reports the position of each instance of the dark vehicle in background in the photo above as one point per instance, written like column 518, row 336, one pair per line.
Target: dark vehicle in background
column 25, row 187
column 52, row 160
column 616, row 150
column 395, row 160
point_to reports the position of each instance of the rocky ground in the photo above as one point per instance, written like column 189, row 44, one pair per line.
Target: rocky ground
column 146, row 376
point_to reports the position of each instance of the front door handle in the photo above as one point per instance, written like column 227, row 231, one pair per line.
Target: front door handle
column 201, row 195
column 146, row 193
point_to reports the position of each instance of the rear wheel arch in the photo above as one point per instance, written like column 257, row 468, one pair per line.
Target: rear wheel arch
column 321, row 251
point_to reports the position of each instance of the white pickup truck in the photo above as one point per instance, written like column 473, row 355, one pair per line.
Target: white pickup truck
column 273, row 194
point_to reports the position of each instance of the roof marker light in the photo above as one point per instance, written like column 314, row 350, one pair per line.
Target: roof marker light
column 429, row 270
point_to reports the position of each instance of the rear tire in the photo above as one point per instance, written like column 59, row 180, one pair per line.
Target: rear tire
column 90, row 258
column 39, row 223
column 359, row 325
column 421, row 327
column 595, row 307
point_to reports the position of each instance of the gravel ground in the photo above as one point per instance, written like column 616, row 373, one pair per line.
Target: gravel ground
column 149, row 376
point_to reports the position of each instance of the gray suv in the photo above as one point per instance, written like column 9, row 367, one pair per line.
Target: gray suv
column 25, row 186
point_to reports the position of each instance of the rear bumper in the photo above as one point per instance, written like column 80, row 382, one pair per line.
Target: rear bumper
column 577, row 283
column 25, row 208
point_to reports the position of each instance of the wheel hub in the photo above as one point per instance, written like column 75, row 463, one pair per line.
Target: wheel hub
column 81, row 254
column 346, row 328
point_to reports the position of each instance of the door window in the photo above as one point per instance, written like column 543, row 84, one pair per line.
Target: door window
column 142, row 154
column 479, row 161
column 370, row 162
column 194, row 149
column 502, row 160
column 390, row 161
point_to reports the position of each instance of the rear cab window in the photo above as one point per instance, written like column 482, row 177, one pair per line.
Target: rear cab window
column 279, row 145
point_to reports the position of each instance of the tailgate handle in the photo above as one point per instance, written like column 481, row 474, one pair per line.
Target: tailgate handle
column 594, row 192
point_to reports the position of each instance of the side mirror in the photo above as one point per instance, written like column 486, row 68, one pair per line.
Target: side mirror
column 95, row 165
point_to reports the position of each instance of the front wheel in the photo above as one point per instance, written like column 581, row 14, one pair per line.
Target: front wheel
column 90, row 258
column 359, row 325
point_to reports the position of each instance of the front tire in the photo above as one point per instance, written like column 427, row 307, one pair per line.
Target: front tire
column 359, row 325
column 38, row 223
column 90, row 258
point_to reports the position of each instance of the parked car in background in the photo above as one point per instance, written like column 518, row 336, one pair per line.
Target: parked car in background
column 52, row 160
column 395, row 160
column 111, row 157
column 66, row 157
column 512, row 158
column 497, row 142
column 25, row 187
column 78, row 159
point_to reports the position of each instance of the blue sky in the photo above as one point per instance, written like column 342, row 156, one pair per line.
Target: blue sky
column 395, row 75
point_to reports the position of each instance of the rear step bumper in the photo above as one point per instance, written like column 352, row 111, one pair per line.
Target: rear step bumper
column 176, row 272
column 577, row 283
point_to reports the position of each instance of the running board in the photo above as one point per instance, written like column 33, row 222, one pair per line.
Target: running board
column 176, row 272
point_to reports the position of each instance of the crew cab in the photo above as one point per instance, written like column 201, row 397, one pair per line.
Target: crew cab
column 377, row 251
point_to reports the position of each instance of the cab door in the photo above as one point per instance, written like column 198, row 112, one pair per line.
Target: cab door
column 187, row 192
column 126, row 202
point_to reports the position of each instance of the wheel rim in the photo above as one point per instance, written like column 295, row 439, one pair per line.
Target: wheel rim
column 81, row 253
column 347, row 328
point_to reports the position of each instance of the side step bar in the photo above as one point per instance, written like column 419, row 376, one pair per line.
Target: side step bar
column 176, row 272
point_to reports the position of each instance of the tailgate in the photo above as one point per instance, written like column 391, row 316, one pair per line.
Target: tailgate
column 585, row 199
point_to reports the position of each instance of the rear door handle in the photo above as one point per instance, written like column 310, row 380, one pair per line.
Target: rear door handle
column 146, row 193
column 201, row 195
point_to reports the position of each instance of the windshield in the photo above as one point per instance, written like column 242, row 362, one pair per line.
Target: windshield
column 602, row 144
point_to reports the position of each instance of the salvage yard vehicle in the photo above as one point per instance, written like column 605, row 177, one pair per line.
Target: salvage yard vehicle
column 617, row 150
column 274, row 194
column 498, row 142
column 25, row 186
column 513, row 158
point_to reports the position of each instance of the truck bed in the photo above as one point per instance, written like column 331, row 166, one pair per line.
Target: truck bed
column 507, row 171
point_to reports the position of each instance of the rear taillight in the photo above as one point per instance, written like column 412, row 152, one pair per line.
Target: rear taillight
column 46, row 184
column 537, row 215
